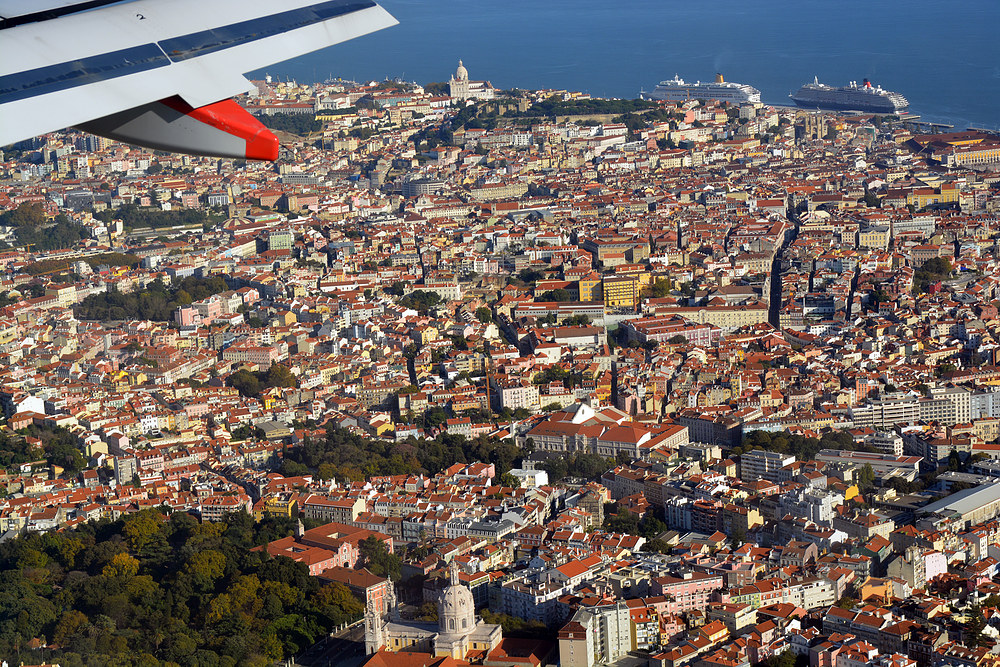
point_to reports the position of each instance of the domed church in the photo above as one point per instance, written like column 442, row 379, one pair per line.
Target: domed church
column 459, row 633
column 461, row 88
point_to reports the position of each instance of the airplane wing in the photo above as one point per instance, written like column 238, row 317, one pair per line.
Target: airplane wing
column 158, row 73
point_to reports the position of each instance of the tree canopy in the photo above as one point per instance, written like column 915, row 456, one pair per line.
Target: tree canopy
column 802, row 447
column 556, row 106
column 587, row 466
column 420, row 300
column 377, row 559
column 31, row 227
column 931, row 271
column 293, row 123
column 47, row 266
column 135, row 217
column 150, row 589
column 55, row 446
column 156, row 302
column 556, row 295
column 346, row 455
column 252, row 383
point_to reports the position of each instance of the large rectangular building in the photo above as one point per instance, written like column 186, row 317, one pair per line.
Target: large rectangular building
column 963, row 509
column 884, row 465
column 887, row 412
column 662, row 329
column 759, row 464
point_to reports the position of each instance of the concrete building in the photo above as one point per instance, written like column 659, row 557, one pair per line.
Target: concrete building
column 886, row 442
column 280, row 239
column 962, row 509
column 813, row 505
column 887, row 412
column 947, row 405
column 126, row 468
column 596, row 636
column 917, row 566
column 759, row 464
column 884, row 465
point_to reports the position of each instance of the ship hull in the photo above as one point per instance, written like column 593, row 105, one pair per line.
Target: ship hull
column 864, row 98
column 834, row 105
column 694, row 94
column 676, row 90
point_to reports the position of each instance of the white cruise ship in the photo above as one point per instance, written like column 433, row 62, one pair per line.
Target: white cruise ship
column 676, row 90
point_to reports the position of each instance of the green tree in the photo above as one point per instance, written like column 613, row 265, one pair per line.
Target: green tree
column 245, row 382
column 972, row 629
column 208, row 565
column 508, row 480
column 530, row 276
column 484, row 315
column 944, row 368
column 436, row 88
column 156, row 302
column 657, row 546
column 122, row 566
column 376, row 558
column 208, row 600
column 660, row 288
column 515, row 627
column 846, row 602
column 337, row 604
column 556, row 295
column 786, row 659
column 293, row 123
column 420, row 300
column 140, row 528
column 865, row 477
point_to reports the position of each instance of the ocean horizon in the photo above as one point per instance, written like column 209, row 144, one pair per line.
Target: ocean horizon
column 946, row 63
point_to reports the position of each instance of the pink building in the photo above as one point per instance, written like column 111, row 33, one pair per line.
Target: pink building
column 187, row 316
column 317, row 559
column 692, row 591
column 209, row 308
column 150, row 460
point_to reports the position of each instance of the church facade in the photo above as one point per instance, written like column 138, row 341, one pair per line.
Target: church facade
column 458, row 633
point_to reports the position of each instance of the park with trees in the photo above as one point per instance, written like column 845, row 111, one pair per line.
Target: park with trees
column 136, row 217
column 32, row 227
column 344, row 455
column 253, row 383
column 156, row 302
column 154, row 589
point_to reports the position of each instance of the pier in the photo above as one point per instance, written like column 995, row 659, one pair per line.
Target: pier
column 914, row 124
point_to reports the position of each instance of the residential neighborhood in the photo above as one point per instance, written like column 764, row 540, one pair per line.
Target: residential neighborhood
column 539, row 378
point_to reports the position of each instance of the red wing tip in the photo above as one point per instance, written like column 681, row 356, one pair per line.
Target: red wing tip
column 229, row 117
column 263, row 146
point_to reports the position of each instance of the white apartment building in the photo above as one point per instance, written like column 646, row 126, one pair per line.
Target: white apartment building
column 887, row 412
column 596, row 636
column 759, row 464
column 887, row 443
column 516, row 395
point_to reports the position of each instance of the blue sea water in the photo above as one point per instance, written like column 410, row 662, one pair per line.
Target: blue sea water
column 943, row 56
